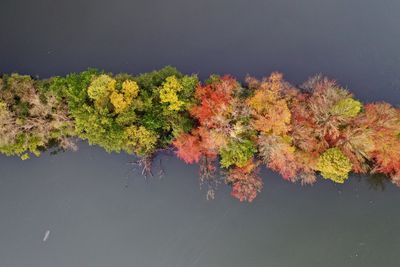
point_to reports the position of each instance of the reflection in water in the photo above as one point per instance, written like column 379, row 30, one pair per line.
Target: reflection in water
column 82, row 199
column 377, row 181
column 210, row 184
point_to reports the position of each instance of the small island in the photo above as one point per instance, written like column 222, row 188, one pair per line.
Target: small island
column 300, row 131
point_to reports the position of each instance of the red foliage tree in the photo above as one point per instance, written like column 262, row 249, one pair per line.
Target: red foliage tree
column 213, row 99
column 382, row 121
column 188, row 148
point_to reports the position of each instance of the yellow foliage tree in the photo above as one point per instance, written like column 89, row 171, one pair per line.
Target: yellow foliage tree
column 121, row 101
column 100, row 90
column 118, row 101
column 140, row 140
column 168, row 93
column 269, row 109
column 130, row 89
column 334, row 165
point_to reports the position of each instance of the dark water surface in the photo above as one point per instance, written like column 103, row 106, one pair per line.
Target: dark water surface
column 98, row 216
column 95, row 216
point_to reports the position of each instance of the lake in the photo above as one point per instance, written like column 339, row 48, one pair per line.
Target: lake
column 90, row 208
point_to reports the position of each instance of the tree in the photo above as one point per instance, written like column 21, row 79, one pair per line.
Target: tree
column 214, row 101
column 122, row 100
column 188, row 148
column 169, row 93
column 334, row 165
column 382, row 124
column 271, row 114
column 346, row 107
column 31, row 118
column 140, row 140
column 237, row 153
column 279, row 155
column 100, row 90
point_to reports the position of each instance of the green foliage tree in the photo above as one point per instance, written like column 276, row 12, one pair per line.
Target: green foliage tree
column 167, row 96
column 237, row 153
column 347, row 107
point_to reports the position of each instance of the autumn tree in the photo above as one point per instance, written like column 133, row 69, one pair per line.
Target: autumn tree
column 379, row 126
column 31, row 117
column 224, row 130
column 270, row 112
column 334, row 165
column 271, row 117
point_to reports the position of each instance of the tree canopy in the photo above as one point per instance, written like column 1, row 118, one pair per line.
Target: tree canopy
column 300, row 131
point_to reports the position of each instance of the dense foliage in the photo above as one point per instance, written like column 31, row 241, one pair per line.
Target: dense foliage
column 122, row 112
column 298, row 132
column 31, row 117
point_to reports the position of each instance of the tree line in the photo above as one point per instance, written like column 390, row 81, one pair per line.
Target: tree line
column 300, row 131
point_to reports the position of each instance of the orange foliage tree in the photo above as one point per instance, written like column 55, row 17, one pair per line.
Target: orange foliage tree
column 223, row 129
